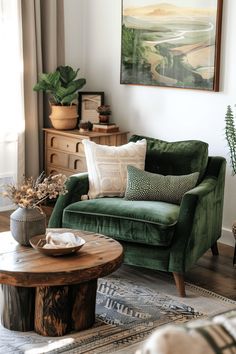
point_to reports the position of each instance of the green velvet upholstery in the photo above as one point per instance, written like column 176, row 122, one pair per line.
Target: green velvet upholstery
column 155, row 234
column 147, row 222
column 175, row 158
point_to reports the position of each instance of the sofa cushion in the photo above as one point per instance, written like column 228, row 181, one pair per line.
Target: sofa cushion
column 143, row 185
column 146, row 222
column 107, row 166
column 175, row 158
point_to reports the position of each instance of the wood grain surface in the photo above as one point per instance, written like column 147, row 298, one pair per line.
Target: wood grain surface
column 18, row 308
column 24, row 266
column 52, row 310
column 61, row 309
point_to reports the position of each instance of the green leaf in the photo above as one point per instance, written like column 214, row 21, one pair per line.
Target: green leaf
column 69, row 99
column 61, row 92
column 67, row 74
column 51, row 78
column 79, row 83
column 48, row 82
column 74, row 86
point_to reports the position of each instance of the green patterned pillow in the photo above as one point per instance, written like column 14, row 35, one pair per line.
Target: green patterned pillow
column 143, row 185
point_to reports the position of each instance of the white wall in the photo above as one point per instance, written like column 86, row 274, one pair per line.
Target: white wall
column 75, row 34
column 93, row 41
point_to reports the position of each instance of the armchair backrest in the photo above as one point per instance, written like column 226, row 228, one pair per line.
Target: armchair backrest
column 175, row 158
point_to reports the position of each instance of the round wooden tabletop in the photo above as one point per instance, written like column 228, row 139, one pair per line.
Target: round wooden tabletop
column 26, row 267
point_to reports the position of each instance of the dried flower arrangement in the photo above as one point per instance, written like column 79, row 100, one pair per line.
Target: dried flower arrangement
column 32, row 192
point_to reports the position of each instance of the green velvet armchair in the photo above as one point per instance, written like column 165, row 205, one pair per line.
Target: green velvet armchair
column 156, row 234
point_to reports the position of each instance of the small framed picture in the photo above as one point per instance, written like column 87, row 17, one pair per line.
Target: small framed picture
column 88, row 104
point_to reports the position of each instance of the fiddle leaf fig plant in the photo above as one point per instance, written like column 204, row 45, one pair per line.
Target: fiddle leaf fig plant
column 230, row 134
column 61, row 85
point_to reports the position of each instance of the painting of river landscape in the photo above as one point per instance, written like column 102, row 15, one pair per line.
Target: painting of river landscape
column 172, row 43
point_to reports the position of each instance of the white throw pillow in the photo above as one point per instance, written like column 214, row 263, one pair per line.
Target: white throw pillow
column 107, row 166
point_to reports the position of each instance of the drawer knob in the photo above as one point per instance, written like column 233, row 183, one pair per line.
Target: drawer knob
column 67, row 145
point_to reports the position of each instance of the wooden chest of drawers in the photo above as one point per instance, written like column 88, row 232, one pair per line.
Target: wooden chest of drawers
column 64, row 151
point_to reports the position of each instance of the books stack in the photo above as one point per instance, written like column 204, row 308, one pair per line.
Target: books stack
column 105, row 128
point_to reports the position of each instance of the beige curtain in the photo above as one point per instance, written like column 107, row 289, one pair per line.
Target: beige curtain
column 43, row 51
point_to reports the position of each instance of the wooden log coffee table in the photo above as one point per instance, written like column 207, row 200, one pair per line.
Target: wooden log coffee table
column 54, row 295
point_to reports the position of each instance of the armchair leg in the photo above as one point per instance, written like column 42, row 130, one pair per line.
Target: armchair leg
column 179, row 282
column 214, row 249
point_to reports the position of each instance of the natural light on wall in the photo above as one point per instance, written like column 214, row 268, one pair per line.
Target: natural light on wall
column 12, row 95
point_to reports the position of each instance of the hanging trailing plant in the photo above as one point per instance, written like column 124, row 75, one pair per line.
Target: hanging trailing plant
column 230, row 134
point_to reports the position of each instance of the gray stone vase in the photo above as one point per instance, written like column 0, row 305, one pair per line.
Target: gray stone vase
column 26, row 223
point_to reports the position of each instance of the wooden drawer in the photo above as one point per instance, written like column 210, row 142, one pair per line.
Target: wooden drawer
column 65, row 143
column 77, row 163
column 111, row 140
column 57, row 158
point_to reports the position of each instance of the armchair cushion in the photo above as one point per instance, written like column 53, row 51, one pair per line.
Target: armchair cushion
column 145, row 222
column 107, row 166
column 175, row 158
column 143, row 185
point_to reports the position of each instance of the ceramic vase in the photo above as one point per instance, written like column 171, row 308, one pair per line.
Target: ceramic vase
column 26, row 223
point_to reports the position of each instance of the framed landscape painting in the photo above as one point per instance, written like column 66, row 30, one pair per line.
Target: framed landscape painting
column 171, row 43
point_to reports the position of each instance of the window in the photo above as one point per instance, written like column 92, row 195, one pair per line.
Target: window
column 11, row 95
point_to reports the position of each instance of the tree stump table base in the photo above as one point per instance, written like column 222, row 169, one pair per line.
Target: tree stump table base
column 50, row 310
column 62, row 309
column 18, row 309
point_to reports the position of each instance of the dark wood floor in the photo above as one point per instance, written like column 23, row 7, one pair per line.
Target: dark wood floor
column 215, row 273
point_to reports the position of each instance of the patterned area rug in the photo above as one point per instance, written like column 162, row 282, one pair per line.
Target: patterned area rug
column 131, row 303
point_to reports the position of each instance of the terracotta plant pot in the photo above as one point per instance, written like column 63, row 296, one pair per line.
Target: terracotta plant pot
column 104, row 119
column 64, row 117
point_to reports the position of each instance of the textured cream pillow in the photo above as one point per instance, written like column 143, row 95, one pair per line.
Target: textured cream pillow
column 107, row 166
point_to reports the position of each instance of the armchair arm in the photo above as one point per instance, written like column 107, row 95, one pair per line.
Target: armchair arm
column 200, row 218
column 77, row 186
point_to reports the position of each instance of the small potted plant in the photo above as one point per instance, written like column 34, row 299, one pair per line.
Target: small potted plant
column 62, row 87
column 104, row 113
